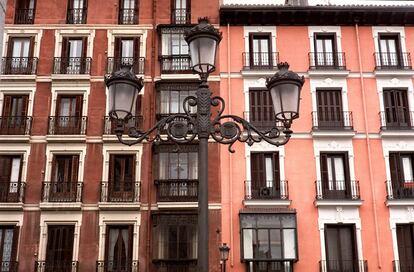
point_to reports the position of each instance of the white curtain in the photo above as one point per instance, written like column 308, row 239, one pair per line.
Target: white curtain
column 407, row 169
column 14, row 176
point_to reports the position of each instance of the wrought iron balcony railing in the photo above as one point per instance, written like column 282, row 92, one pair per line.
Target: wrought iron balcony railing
column 15, row 125
column 277, row 266
column 403, row 266
column 397, row 120
column 137, row 64
column 332, row 120
column 343, row 266
column 400, row 189
column 135, row 121
column 266, row 190
column 177, row 190
column 392, row 61
column 175, row 64
column 120, row 191
column 62, row 191
column 12, row 192
column 128, row 16
column 18, row 66
column 77, row 16
column 337, row 190
column 176, row 265
column 9, row 266
column 113, row 266
column 260, row 60
column 67, row 125
column 180, row 16
column 327, row 61
column 262, row 119
column 24, row 16
column 56, row 266
column 72, row 66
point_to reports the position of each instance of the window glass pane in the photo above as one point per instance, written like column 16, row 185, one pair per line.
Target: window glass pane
column 269, row 171
column 248, row 221
column 261, row 244
column 319, row 45
column 275, row 244
column 174, row 167
column 127, row 48
column 193, row 165
column 75, row 48
column 248, row 243
column 172, row 242
column 65, row 106
column 264, row 45
column 7, row 245
column 174, row 101
column 77, row 4
column 288, row 221
column 17, row 49
column 165, row 102
column 166, row 41
column 407, row 168
column 392, row 47
column 289, row 244
column 175, row 44
column 328, row 46
column 339, row 173
column 129, row 4
column 163, row 165
column 183, row 166
column 268, row 221
column 14, row 175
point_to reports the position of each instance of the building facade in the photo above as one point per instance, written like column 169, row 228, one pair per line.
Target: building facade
column 338, row 196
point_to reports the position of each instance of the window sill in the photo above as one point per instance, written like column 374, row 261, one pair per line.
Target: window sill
column 60, row 205
column 71, row 77
column 267, row 203
column 18, row 77
column 176, row 205
column 328, row 72
column 66, row 138
column 338, row 202
column 119, row 205
column 399, row 202
column 255, row 72
column 348, row 133
column 11, row 206
column 396, row 133
column 15, row 138
column 394, row 72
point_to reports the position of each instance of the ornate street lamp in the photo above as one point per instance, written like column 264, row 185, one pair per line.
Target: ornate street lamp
column 179, row 128
column 224, row 255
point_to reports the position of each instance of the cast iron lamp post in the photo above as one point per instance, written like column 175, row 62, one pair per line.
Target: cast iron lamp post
column 203, row 40
column 224, row 255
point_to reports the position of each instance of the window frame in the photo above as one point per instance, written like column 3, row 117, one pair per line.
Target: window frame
column 170, row 149
column 352, row 227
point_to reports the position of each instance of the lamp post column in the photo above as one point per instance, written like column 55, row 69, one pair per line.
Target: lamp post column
column 203, row 129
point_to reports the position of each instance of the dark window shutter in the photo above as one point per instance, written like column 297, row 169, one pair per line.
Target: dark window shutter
column 5, row 168
column 405, row 237
column 136, row 47
column 10, row 47
column 257, row 169
column 7, row 101
column 74, row 168
column 395, row 169
column 276, row 169
column 117, row 47
column 70, row 4
column 58, row 105
column 79, row 103
column 65, row 47
column 54, row 166
column 25, row 107
column 346, row 167
column 138, row 105
column 84, row 45
column 324, row 169
column 31, row 46
column 111, row 174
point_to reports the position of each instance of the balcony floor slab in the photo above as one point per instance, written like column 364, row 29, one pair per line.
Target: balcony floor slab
column 338, row 202
column 262, row 203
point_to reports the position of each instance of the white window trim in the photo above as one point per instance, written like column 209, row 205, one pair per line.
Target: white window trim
column 399, row 83
column 399, row 215
column 259, row 29
column 65, row 149
column 14, row 219
column 128, row 33
column 333, row 145
column 37, row 33
column 107, row 218
column 18, row 149
column 329, row 83
column 395, row 145
column 120, row 149
column 312, row 30
column 59, row 218
column 17, row 90
column 59, row 34
column 80, row 89
column 376, row 30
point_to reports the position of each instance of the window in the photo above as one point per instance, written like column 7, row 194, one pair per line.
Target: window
column 335, row 175
column 401, row 168
column 128, row 12
column 178, row 165
column 405, row 241
column 265, row 180
column 269, row 241
column 325, row 50
column 118, row 254
column 25, row 10
column 10, row 178
column 127, row 53
column 68, row 118
column 261, row 113
column 340, row 245
column 59, row 248
column 64, row 184
column 390, row 52
column 171, row 98
column 14, row 117
column 20, row 56
column 260, row 49
column 329, row 106
column 175, row 237
column 73, row 59
column 180, row 13
column 174, row 50
column 121, row 177
column 77, row 10
column 8, row 248
column 397, row 114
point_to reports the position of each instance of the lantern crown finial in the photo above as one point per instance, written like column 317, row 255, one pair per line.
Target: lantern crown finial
column 284, row 74
column 203, row 27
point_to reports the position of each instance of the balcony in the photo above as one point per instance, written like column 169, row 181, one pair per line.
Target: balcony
column 135, row 121
column 9, row 266
column 260, row 60
column 281, row 266
column 175, row 64
column 72, row 66
column 111, row 266
column 179, row 190
column 12, row 192
column 339, row 190
column 255, row 191
column 403, row 266
column 262, row 120
column 332, row 120
column 18, row 66
column 176, row 265
column 128, row 16
column 77, row 16
column 62, row 191
column 67, row 125
column 397, row 120
column 137, row 64
column 392, row 61
column 120, row 192
column 399, row 189
column 15, row 125
column 24, row 16
column 180, row 16
column 327, row 61
column 343, row 266
column 56, row 266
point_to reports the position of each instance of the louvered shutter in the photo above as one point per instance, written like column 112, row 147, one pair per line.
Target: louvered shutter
column 324, row 170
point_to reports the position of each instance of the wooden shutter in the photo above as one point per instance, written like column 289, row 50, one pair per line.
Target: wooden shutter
column 405, row 237
column 15, row 245
column 117, row 48
column 395, row 167
column 138, row 104
column 7, row 103
column 59, row 245
column 79, row 103
column 25, row 106
column 111, row 174
column 257, row 170
column 276, row 169
column 5, row 168
column 329, row 105
column 136, row 47
column 74, row 168
column 84, row 44
column 65, row 47
column 324, row 169
column 70, row 4
column 54, row 166
column 58, row 105
column 31, row 46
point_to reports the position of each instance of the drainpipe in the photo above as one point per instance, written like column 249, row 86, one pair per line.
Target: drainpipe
column 371, row 175
column 230, row 157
